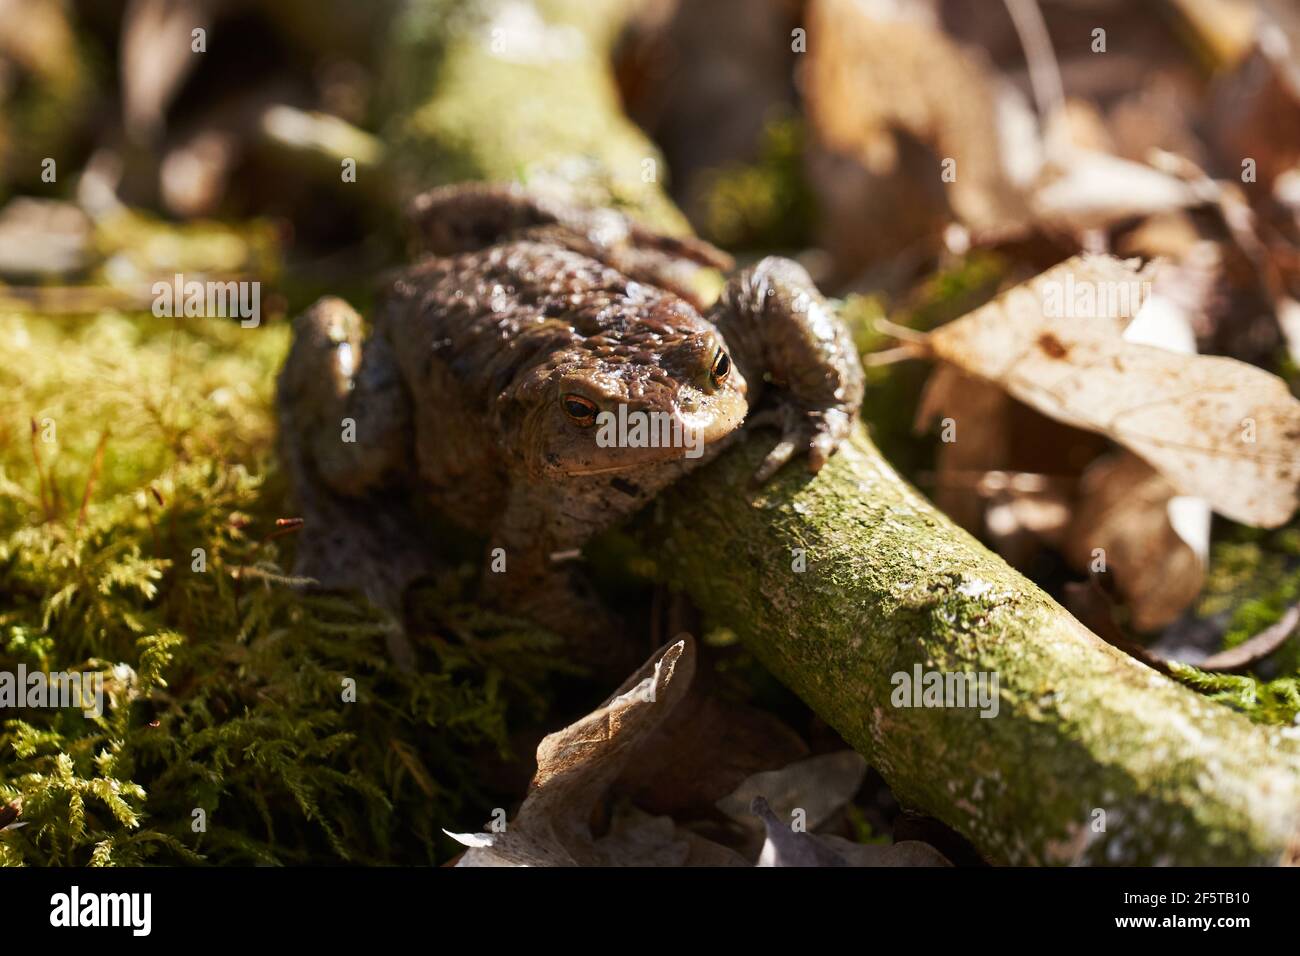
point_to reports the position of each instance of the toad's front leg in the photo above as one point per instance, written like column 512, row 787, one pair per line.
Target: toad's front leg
column 784, row 335
column 343, row 417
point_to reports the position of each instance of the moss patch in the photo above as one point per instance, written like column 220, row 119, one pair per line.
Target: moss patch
column 226, row 736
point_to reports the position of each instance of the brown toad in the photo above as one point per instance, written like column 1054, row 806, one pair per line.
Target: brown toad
column 544, row 374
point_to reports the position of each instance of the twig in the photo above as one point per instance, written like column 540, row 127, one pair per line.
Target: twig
column 1257, row 648
column 40, row 470
column 95, row 466
column 903, row 333
column 901, row 353
column 1044, row 73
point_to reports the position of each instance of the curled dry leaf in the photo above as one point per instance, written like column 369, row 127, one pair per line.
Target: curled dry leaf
column 1257, row 648
column 900, row 116
column 1133, row 516
column 784, row 846
column 1087, row 189
column 811, row 791
column 704, row 749
column 1217, row 428
column 818, row 786
column 575, row 768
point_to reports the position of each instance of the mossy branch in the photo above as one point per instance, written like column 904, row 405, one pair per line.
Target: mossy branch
column 890, row 583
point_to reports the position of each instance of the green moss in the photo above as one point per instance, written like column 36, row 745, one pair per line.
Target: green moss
column 861, row 827
column 225, row 683
column 1265, row 702
column 765, row 205
column 134, row 247
column 1253, row 578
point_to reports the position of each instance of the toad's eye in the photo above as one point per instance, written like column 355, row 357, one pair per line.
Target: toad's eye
column 720, row 368
column 582, row 411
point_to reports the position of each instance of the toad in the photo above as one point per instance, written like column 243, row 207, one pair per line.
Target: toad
column 542, row 373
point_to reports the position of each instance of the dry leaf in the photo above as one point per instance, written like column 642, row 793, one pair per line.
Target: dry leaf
column 904, row 123
column 1215, row 427
column 704, row 750
column 1254, row 112
column 1132, row 515
column 784, row 846
column 575, row 768
column 1089, row 189
column 1010, row 471
column 1226, row 27
column 1256, row 648
column 985, row 440
column 1154, row 542
column 819, row 786
column 43, row 237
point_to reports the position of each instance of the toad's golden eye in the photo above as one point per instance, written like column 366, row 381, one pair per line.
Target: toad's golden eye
column 720, row 368
column 581, row 411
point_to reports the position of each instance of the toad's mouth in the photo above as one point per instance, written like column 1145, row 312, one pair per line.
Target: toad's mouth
column 608, row 470
column 635, row 459
column 681, row 437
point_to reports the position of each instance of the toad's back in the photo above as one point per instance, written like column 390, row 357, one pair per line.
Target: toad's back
column 489, row 318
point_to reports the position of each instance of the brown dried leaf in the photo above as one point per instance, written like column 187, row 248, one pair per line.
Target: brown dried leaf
column 785, row 846
column 1089, row 189
column 1128, row 511
column 818, row 786
column 1216, row 428
column 705, row 748
column 1255, row 110
column 891, row 99
column 1010, row 471
column 575, row 768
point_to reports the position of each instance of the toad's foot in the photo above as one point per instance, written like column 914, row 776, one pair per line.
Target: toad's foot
column 779, row 329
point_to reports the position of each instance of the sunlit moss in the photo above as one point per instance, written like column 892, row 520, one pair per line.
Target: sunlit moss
column 139, row 541
column 764, row 205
